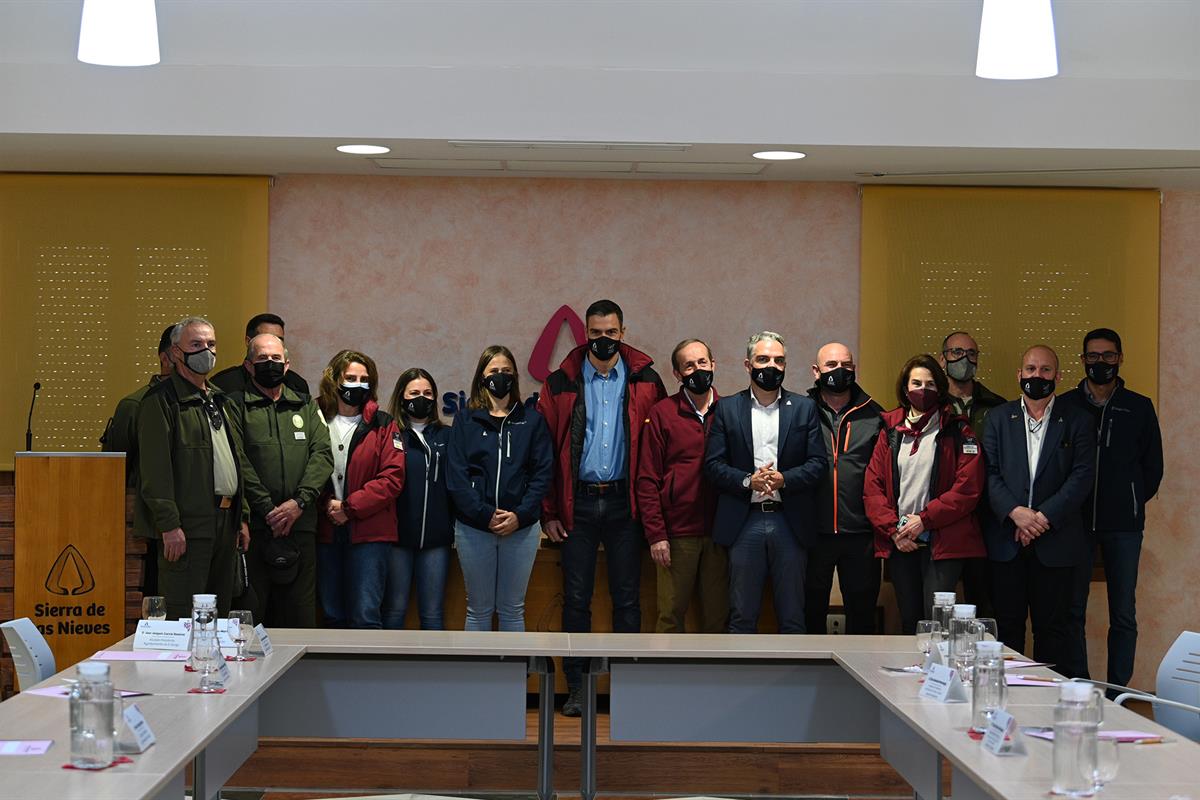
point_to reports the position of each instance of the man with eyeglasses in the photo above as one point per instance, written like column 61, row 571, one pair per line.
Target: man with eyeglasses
column 286, row 460
column 973, row 400
column 191, row 484
column 1129, row 468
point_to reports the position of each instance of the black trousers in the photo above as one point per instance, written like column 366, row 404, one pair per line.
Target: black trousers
column 1027, row 588
column 915, row 577
column 853, row 556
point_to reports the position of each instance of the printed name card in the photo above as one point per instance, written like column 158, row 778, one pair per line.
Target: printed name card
column 938, row 654
column 137, row 724
column 942, row 684
column 223, row 674
column 22, row 747
column 1003, row 737
column 264, row 641
column 161, row 634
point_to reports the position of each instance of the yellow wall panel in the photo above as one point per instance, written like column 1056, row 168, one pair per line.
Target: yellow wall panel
column 1013, row 267
column 93, row 267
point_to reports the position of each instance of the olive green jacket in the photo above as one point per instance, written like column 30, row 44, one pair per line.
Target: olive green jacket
column 285, row 454
column 120, row 436
column 175, row 460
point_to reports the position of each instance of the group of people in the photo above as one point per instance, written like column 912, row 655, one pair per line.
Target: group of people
column 332, row 497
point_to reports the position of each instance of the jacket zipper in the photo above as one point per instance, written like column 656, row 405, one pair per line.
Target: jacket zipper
column 1096, row 481
column 500, row 452
column 834, row 434
column 1133, row 491
column 425, row 500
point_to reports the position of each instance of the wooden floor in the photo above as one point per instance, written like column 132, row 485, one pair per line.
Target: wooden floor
column 302, row 769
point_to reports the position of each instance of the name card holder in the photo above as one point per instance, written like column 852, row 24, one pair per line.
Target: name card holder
column 1003, row 736
column 161, row 634
column 942, row 684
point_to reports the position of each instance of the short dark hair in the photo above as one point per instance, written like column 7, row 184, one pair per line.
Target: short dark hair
column 951, row 335
column 930, row 363
column 164, row 341
column 602, row 308
column 685, row 343
column 261, row 319
column 1103, row 333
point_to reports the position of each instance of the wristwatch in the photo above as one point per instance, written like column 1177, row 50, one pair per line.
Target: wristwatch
column 299, row 502
column 746, row 482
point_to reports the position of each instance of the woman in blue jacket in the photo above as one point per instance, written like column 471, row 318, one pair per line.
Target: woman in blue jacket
column 423, row 510
column 500, row 468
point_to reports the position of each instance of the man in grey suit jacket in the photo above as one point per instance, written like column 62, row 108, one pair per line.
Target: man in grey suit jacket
column 1039, row 463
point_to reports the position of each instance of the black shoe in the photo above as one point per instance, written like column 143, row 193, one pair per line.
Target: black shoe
column 574, row 705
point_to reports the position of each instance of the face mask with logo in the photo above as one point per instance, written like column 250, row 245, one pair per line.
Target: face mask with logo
column 836, row 380
column 498, row 384
column 419, row 407
column 354, row 393
column 1037, row 388
column 961, row 370
column 268, row 374
column 767, row 378
column 604, row 347
column 1101, row 373
column 200, row 361
column 698, row 381
column 923, row 399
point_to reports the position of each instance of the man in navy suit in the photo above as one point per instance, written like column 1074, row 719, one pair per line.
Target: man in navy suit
column 765, row 456
column 1039, row 461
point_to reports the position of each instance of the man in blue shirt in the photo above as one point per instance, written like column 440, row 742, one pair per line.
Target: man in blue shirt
column 595, row 404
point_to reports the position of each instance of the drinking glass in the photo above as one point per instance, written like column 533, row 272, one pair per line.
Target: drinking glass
column 240, row 624
column 154, row 607
column 929, row 632
column 1107, row 761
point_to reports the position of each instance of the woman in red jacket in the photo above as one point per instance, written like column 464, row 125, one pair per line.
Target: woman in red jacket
column 922, row 486
column 357, row 526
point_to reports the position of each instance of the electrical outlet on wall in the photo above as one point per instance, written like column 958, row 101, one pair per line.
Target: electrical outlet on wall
column 835, row 624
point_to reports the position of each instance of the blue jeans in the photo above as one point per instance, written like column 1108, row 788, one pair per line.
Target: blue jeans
column 601, row 519
column 1121, row 552
column 766, row 545
column 496, row 570
column 350, row 579
column 428, row 568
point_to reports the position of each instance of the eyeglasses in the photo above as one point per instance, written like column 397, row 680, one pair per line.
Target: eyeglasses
column 214, row 413
column 956, row 353
column 1108, row 356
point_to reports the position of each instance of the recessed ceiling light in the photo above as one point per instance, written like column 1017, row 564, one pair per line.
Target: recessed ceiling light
column 364, row 149
column 1016, row 40
column 778, row 155
column 118, row 33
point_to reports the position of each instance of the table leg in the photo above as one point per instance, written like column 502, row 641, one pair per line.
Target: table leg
column 545, row 670
column 587, row 732
column 199, row 790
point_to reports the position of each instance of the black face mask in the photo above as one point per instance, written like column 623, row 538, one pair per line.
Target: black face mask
column 698, row 381
column 1101, row 373
column 1037, row 388
column 603, row 347
column 498, row 384
column 354, row 394
column 837, row 380
column 419, row 407
column 767, row 378
column 268, row 374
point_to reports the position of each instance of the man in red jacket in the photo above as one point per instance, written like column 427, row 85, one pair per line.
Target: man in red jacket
column 676, row 502
column 595, row 404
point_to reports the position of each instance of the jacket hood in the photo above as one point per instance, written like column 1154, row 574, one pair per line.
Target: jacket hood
column 635, row 360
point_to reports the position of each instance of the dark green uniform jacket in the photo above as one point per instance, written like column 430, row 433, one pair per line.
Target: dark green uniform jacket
column 120, row 436
column 175, row 459
column 285, row 455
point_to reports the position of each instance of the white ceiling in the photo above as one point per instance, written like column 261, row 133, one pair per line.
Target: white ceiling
column 863, row 86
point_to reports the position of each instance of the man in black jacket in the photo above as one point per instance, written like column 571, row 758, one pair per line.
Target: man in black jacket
column 1039, row 464
column 850, row 422
column 1129, row 468
column 238, row 378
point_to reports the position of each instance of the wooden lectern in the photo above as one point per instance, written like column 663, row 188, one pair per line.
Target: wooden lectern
column 69, row 550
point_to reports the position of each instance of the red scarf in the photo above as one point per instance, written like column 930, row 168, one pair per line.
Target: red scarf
column 917, row 428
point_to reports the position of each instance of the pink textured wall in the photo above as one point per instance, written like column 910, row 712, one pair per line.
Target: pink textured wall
column 428, row 271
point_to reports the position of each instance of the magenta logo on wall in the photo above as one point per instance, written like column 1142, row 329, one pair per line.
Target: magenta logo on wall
column 539, row 365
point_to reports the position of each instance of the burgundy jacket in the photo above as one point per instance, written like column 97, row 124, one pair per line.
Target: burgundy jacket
column 561, row 403
column 374, row 478
column 674, row 497
column 956, row 485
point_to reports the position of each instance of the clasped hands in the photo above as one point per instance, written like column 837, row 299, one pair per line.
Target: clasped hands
column 1030, row 524
column 906, row 535
column 766, row 479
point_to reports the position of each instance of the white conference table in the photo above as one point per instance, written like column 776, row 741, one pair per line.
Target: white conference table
column 461, row 685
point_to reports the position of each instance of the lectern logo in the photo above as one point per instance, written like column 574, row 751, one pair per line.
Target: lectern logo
column 70, row 574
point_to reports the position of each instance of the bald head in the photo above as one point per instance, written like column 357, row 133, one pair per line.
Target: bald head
column 265, row 347
column 829, row 358
column 1039, row 354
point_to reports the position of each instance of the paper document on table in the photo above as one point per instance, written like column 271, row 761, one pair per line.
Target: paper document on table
column 24, row 747
column 1127, row 737
column 64, row 691
column 140, row 655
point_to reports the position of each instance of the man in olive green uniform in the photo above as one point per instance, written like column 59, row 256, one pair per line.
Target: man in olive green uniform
column 120, row 436
column 286, row 462
column 190, row 499
column 971, row 399
column 237, row 378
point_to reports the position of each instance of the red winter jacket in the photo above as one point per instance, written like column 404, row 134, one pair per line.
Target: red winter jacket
column 374, row 478
column 957, row 482
column 561, row 403
column 674, row 497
